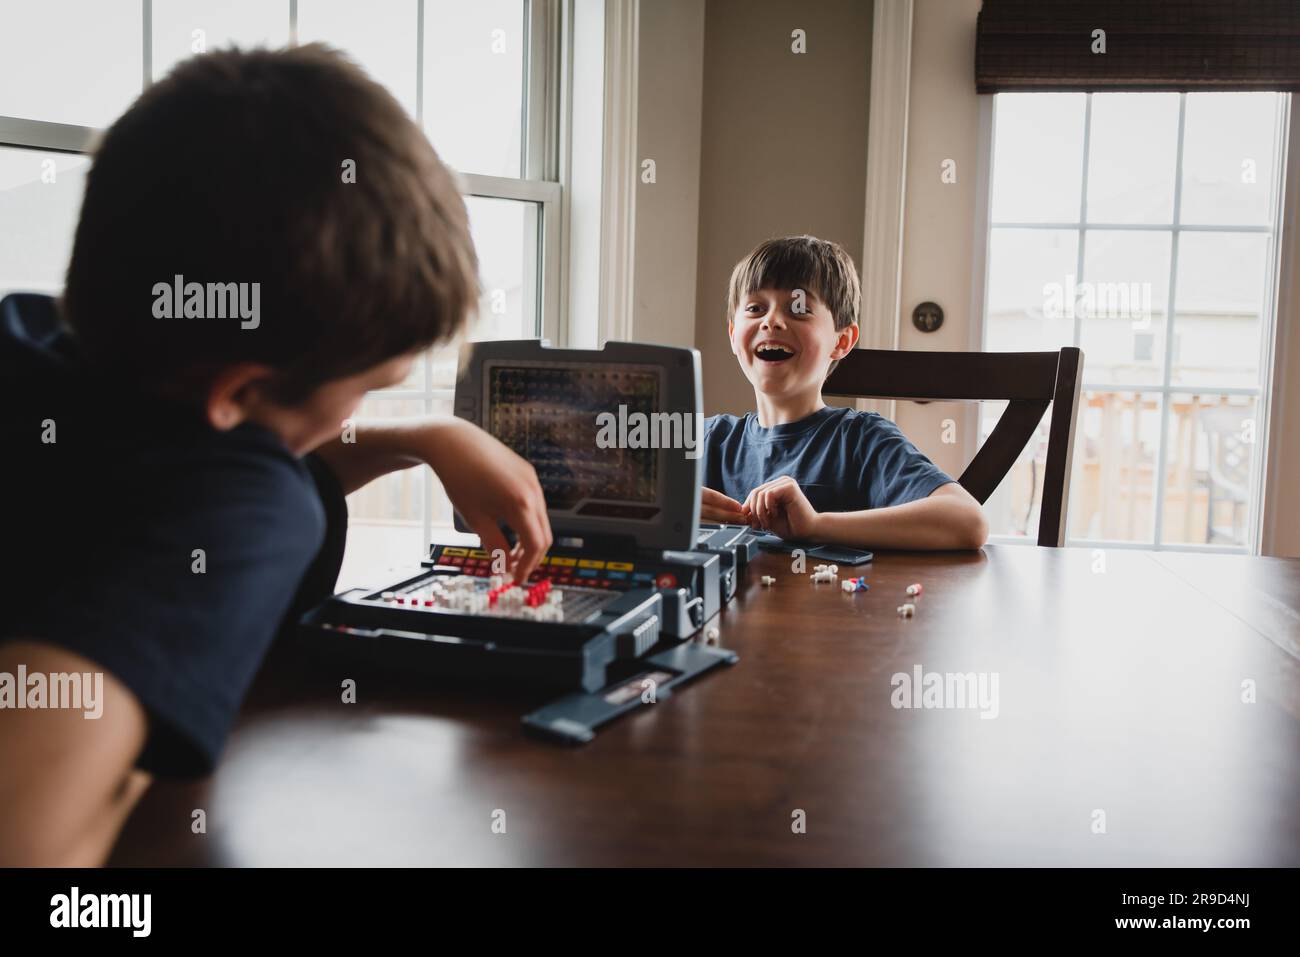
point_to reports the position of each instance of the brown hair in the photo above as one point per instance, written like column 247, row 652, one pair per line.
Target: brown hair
column 233, row 169
column 800, row 262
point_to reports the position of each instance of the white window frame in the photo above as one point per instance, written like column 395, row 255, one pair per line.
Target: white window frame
column 540, row 182
column 545, row 118
column 1165, row 389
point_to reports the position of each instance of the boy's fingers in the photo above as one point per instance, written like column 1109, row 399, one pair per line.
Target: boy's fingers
column 535, row 536
column 721, row 515
column 709, row 496
column 489, row 535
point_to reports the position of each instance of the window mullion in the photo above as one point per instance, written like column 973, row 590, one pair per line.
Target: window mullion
column 1139, row 227
column 1082, row 233
column 1170, row 305
column 419, row 64
column 146, row 47
column 1083, row 216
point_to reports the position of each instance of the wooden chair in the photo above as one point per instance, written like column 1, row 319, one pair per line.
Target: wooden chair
column 1027, row 380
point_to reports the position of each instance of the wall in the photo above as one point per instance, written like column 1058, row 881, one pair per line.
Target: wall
column 670, row 85
column 783, row 151
column 939, row 227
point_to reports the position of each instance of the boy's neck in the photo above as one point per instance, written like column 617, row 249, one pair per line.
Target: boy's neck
column 780, row 411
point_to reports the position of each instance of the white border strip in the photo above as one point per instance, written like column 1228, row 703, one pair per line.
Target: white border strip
column 618, row 201
column 882, row 241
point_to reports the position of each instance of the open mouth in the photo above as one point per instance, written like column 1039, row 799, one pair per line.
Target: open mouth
column 773, row 352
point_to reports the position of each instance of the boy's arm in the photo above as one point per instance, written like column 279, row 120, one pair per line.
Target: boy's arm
column 485, row 480
column 949, row 518
column 69, row 782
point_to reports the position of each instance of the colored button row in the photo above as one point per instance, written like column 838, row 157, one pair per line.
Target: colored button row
column 455, row 555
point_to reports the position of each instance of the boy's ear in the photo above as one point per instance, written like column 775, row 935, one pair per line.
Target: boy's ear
column 847, row 339
column 234, row 392
column 731, row 329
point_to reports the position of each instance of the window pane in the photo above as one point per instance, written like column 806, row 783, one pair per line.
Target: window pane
column 385, row 517
column 68, row 61
column 505, row 237
column 1013, row 508
column 184, row 28
column 1029, row 275
column 1219, row 308
column 380, row 37
column 1210, row 470
column 505, row 234
column 476, row 47
column 1229, row 150
column 1123, row 298
column 1038, row 158
column 1117, row 443
column 1132, row 156
column 40, row 196
column 443, row 515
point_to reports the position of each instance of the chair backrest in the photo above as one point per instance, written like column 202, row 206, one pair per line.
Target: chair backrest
column 1028, row 381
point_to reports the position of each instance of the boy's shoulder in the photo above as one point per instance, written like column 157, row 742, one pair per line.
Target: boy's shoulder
column 88, row 446
column 719, row 428
column 866, row 421
column 725, row 420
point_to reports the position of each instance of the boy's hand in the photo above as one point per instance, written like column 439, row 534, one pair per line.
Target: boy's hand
column 781, row 507
column 716, row 507
column 487, row 482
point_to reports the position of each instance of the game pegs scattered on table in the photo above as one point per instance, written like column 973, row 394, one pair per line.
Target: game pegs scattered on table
column 825, row 573
column 908, row 608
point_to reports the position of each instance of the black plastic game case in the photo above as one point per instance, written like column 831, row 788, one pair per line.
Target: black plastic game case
column 604, row 661
column 554, row 655
column 691, row 582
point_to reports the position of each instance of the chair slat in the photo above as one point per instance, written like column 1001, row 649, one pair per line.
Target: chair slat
column 1001, row 449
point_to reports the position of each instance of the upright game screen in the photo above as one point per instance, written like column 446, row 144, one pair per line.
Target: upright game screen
column 552, row 414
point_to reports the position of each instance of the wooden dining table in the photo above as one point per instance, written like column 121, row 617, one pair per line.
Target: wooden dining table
column 1139, row 708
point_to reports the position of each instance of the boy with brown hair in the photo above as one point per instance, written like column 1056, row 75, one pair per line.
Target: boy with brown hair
column 802, row 469
column 173, row 429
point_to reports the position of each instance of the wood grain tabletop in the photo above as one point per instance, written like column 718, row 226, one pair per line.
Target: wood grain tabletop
column 1116, row 708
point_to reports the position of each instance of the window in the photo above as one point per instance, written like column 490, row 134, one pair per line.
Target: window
column 482, row 80
column 429, row 54
column 1141, row 227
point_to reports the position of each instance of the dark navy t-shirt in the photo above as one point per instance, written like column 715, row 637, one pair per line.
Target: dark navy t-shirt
column 844, row 460
column 140, row 538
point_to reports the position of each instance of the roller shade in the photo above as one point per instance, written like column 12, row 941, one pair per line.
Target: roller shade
column 1178, row 45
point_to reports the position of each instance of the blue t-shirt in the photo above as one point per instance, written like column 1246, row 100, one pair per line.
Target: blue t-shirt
column 109, row 494
column 844, row 460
